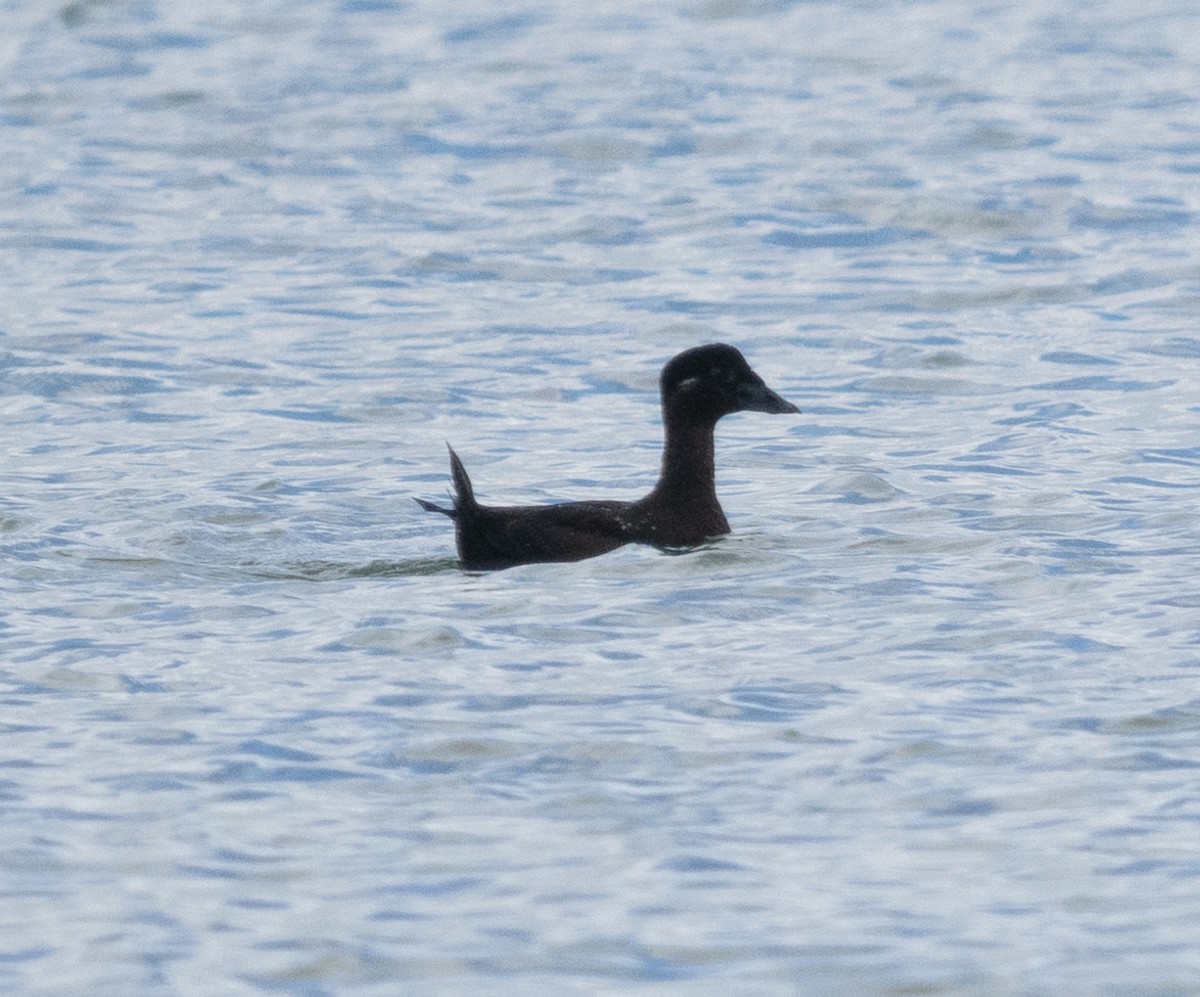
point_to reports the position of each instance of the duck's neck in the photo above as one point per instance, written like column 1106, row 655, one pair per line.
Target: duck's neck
column 688, row 465
column 683, row 510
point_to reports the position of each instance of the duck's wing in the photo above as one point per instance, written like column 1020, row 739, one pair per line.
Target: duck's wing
column 500, row 537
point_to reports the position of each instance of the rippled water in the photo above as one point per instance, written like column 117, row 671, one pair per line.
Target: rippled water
column 927, row 722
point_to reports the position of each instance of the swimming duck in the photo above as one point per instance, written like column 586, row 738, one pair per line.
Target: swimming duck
column 698, row 386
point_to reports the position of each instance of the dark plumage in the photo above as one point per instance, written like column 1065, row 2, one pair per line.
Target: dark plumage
column 699, row 386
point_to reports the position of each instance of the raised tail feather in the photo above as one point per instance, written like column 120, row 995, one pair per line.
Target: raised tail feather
column 464, row 494
column 431, row 507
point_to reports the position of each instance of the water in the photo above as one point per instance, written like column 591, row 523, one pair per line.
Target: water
column 927, row 722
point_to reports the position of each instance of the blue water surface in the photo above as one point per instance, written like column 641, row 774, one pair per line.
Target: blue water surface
column 927, row 722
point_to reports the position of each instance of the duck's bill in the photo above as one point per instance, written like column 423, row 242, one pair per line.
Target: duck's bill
column 759, row 398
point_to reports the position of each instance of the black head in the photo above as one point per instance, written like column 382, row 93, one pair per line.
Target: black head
column 706, row 382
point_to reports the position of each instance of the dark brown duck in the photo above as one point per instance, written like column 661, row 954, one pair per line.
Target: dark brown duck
column 699, row 386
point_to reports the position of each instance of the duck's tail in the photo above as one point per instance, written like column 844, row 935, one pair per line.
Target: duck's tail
column 464, row 494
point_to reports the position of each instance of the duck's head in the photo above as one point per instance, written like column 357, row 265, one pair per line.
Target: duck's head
column 707, row 382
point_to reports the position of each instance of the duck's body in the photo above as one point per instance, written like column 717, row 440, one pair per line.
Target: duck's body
column 699, row 386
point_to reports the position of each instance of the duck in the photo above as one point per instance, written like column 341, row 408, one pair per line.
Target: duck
column 699, row 387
